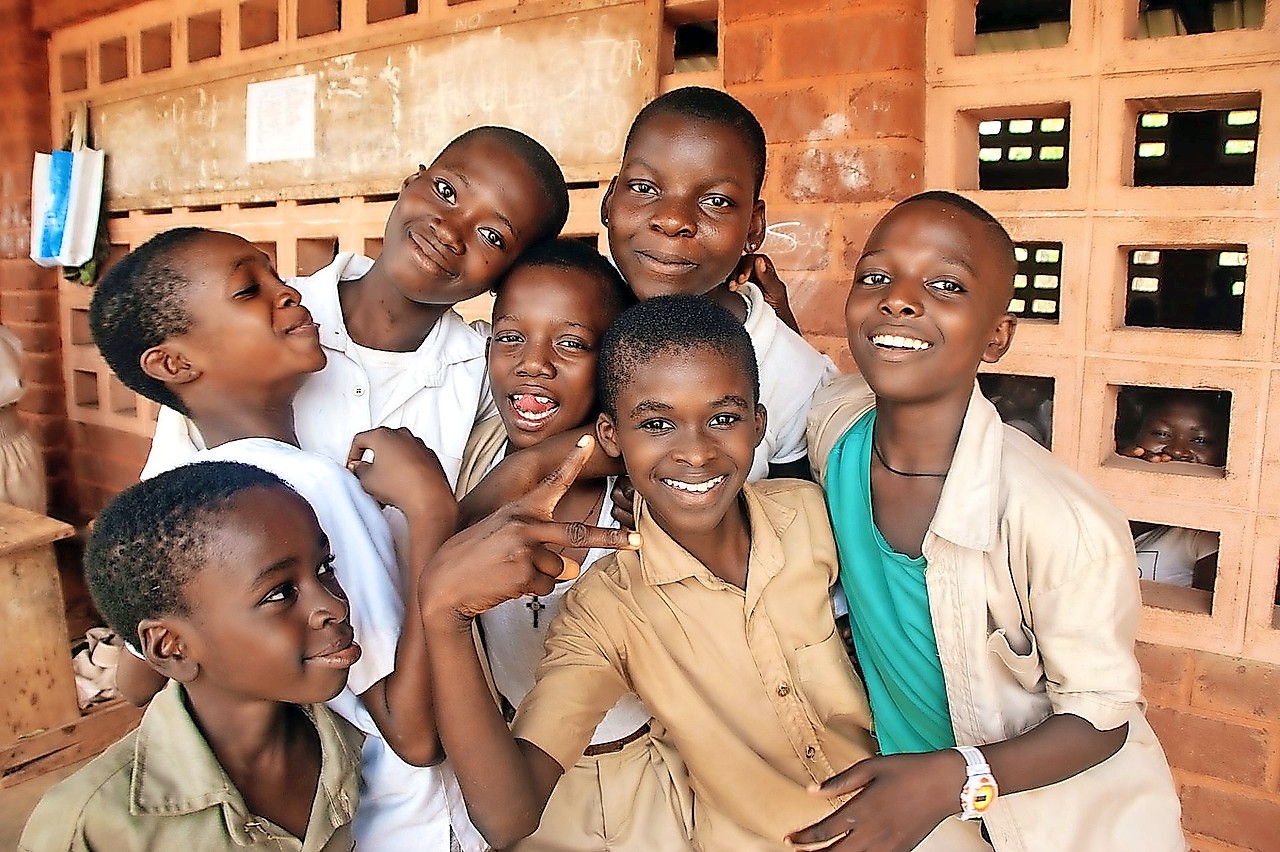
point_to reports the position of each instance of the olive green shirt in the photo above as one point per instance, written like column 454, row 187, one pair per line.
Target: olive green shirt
column 161, row 787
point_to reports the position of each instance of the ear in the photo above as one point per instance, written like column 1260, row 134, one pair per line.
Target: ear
column 1001, row 339
column 604, row 202
column 166, row 650
column 168, row 364
column 756, row 231
column 606, row 433
column 762, row 420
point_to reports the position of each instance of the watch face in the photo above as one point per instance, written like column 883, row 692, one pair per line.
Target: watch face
column 984, row 794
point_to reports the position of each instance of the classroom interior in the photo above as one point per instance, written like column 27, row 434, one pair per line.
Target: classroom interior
column 1131, row 147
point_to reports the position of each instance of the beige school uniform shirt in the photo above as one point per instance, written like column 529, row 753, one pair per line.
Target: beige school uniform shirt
column 753, row 688
column 161, row 787
column 1033, row 591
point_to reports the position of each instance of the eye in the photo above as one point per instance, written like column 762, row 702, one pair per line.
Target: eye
column 507, row 337
column 642, row 187
column 1200, row 439
column 947, row 285
column 725, row 419
column 575, row 344
column 720, row 202
column 656, row 425
column 328, row 577
column 281, row 594
column 1162, row 434
column 874, row 279
column 248, row 291
column 493, row 237
column 445, row 190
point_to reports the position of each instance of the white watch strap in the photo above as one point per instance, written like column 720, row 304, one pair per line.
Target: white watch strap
column 975, row 763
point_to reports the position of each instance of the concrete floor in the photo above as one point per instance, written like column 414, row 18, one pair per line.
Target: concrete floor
column 17, row 803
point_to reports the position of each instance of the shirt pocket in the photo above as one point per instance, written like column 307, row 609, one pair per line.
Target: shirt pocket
column 1027, row 669
column 831, row 686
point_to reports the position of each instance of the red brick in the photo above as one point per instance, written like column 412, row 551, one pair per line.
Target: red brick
column 887, row 106
column 835, row 348
column 794, row 114
column 43, row 399
column 1166, row 673
column 23, row 274
column 1242, row 820
column 799, row 237
column 28, row 306
column 736, row 10
column 855, row 224
column 1212, row 747
column 876, row 38
column 1238, row 687
column 746, row 52
column 37, row 337
column 849, row 173
column 818, row 303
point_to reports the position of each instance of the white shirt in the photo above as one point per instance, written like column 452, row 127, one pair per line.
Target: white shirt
column 402, row 807
column 438, row 396
column 791, row 371
column 1170, row 554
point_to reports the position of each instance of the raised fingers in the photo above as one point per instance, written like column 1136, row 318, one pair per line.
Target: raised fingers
column 542, row 500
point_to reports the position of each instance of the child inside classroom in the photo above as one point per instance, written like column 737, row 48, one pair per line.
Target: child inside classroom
column 199, row 321
column 721, row 623
column 993, row 592
column 1185, row 426
column 221, row 574
column 396, row 352
column 550, row 314
column 22, row 472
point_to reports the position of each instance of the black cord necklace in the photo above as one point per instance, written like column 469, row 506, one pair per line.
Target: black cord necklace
column 875, row 446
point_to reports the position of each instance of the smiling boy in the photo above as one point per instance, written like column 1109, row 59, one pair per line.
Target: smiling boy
column 221, row 575
column 396, row 352
column 992, row 591
column 721, row 623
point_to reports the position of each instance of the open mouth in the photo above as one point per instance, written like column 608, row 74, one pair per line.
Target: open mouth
column 694, row 487
column 533, row 407
column 899, row 343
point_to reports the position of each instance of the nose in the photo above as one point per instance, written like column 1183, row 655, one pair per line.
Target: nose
column 535, row 360
column 328, row 605
column 671, row 217
column 1179, row 450
column 695, row 448
column 287, row 297
column 900, row 299
column 450, row 235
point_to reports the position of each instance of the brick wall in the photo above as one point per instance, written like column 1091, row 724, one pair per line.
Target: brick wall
column 28, row 294
column 844, row 116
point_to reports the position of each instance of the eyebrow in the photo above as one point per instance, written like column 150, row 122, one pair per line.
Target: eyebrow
column 730, row 399
column 954, row 261
column 648, row 406
column 322, row 542
column 712, row 182
column 515, row 318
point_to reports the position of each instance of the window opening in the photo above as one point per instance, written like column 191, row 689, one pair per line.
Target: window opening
column 1037, row 285
column 1181, row 288
column 1175, row 430
column 1010, row 25
column 1024, row 153
column 1213, row 147
column 1023, row 402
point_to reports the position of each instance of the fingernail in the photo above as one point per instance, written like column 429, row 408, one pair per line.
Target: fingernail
column 584, row 441
column 634, row 539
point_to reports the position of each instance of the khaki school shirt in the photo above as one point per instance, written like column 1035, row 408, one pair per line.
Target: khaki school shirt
column 160, row 787
column 754, row 688
column 1033, row 591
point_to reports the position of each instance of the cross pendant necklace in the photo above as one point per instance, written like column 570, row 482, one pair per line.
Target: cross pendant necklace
column 535, row 606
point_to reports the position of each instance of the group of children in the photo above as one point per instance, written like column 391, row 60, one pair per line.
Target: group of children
column 629, row 426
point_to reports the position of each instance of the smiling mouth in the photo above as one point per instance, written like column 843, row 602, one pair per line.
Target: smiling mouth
column 430, row 253
column 307, row 327
column 533, row 407
column 340, row 654
column 898, row 343
column 666, row 261
column 694, row 487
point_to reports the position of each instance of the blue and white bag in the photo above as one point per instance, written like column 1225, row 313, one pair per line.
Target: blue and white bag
column 66, row 197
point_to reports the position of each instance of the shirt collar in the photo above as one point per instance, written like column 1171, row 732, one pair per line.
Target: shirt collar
column 175, row 772
column 451, row 341
column 662, row 560
column 968, row 510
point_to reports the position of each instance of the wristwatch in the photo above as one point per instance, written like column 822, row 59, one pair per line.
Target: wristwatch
column 980, row 789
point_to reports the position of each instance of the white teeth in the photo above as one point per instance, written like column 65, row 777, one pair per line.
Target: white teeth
column 694, row 487
column 544, row 400
column 895, row 341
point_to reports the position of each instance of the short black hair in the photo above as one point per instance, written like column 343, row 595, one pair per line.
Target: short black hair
column 663, row 324
column 544, row 168
column 153, row 537
column 715, row 107
column 139, row 304
column 973, row 210
column 571, row 253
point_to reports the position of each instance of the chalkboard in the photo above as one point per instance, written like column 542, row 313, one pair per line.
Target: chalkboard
column 572, row 81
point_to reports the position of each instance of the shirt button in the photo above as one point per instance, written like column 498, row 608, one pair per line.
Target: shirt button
column 810, row 752
column 359, row 391
column 783, row 690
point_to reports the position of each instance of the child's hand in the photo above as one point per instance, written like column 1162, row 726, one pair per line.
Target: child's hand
column 396, row 468
column 505, row 556
column 624, row 502
column 899, row 800
column 759, row 269
column 1145, row 454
